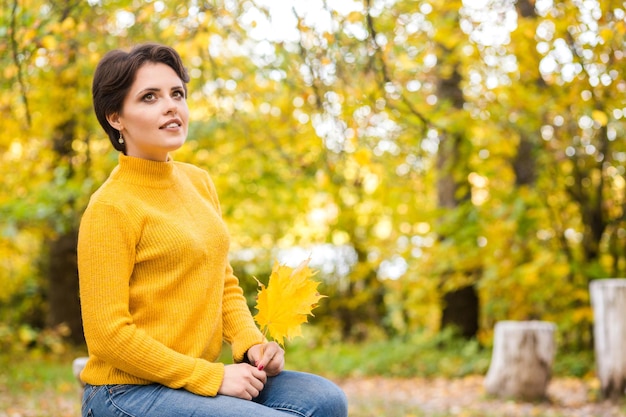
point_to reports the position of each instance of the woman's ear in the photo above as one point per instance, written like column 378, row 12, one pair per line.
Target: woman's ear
column 114, row 121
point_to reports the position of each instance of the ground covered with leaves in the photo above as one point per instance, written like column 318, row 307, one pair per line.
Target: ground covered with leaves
column 376, row 396
column 392, row 397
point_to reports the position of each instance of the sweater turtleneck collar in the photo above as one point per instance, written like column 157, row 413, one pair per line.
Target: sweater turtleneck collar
column 155, row 174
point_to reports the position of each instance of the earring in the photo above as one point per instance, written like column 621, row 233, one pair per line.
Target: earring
column 120, row 140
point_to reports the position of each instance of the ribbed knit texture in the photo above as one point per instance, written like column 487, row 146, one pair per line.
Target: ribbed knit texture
column 158, row 295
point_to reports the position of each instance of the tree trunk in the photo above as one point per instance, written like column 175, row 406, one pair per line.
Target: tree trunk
column 77, row 367
column 461, row 304
column 521, row 364
column 63, row 297
column 460, row 311
column 608, row 299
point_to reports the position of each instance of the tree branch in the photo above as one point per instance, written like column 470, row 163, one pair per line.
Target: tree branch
column 16, row 61
column 385, row 69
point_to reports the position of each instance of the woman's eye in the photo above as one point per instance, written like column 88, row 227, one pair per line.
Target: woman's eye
column 179, row 94
column 149, row 97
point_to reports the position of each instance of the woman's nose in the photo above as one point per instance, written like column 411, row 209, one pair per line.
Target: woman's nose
column 171, row 106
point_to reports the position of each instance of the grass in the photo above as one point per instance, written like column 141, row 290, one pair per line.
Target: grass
column 424, row 356
column 35, row 384
column 35, row 372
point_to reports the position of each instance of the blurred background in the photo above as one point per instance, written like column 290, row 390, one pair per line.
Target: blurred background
column 445, row 164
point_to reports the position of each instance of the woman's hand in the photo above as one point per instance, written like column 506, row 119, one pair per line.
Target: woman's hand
column 268, row 357
column 242, row 381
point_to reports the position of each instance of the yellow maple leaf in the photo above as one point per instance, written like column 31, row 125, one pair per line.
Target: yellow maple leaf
column 284, row 305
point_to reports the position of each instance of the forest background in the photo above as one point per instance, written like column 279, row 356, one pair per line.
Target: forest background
column 445, row 164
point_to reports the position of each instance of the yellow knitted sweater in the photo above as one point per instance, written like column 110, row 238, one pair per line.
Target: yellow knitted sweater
column 158, row 295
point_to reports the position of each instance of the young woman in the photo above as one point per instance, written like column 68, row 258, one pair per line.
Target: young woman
column 157, row 292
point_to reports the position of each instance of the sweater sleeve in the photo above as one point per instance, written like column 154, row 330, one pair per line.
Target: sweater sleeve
column 240, row 331
column 106, row 253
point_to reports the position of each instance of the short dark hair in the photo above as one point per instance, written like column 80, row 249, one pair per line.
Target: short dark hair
column 116, row 73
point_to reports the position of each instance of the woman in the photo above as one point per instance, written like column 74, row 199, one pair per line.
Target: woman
column 158, row 295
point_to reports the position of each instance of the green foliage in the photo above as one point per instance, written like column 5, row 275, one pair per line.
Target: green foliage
column 421, row 355
column 578, row 364
column 402, row 132
column 34, row 371
column 23, row 339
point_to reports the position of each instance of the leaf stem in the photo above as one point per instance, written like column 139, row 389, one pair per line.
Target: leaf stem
column 264, row 340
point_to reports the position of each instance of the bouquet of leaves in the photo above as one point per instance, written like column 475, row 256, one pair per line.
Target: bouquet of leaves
column 287, row 301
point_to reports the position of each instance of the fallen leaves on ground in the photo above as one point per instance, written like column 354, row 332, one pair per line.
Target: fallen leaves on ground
column 466, row 397
column 42, row 404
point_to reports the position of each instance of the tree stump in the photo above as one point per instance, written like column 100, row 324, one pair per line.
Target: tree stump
column 521, row 364
column 77, row 367
column 608, row 300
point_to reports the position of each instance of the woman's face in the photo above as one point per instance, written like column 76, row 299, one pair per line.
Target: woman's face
column 155, row 116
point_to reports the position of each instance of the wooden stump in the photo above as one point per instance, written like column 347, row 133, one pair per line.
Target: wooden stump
column 77, row 367
column 521, row 364
column 608, row 300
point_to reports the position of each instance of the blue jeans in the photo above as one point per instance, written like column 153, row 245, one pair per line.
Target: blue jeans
column 288, row 393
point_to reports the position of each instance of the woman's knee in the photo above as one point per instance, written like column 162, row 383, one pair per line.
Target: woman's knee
column 333, row 402
column 327, row 398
